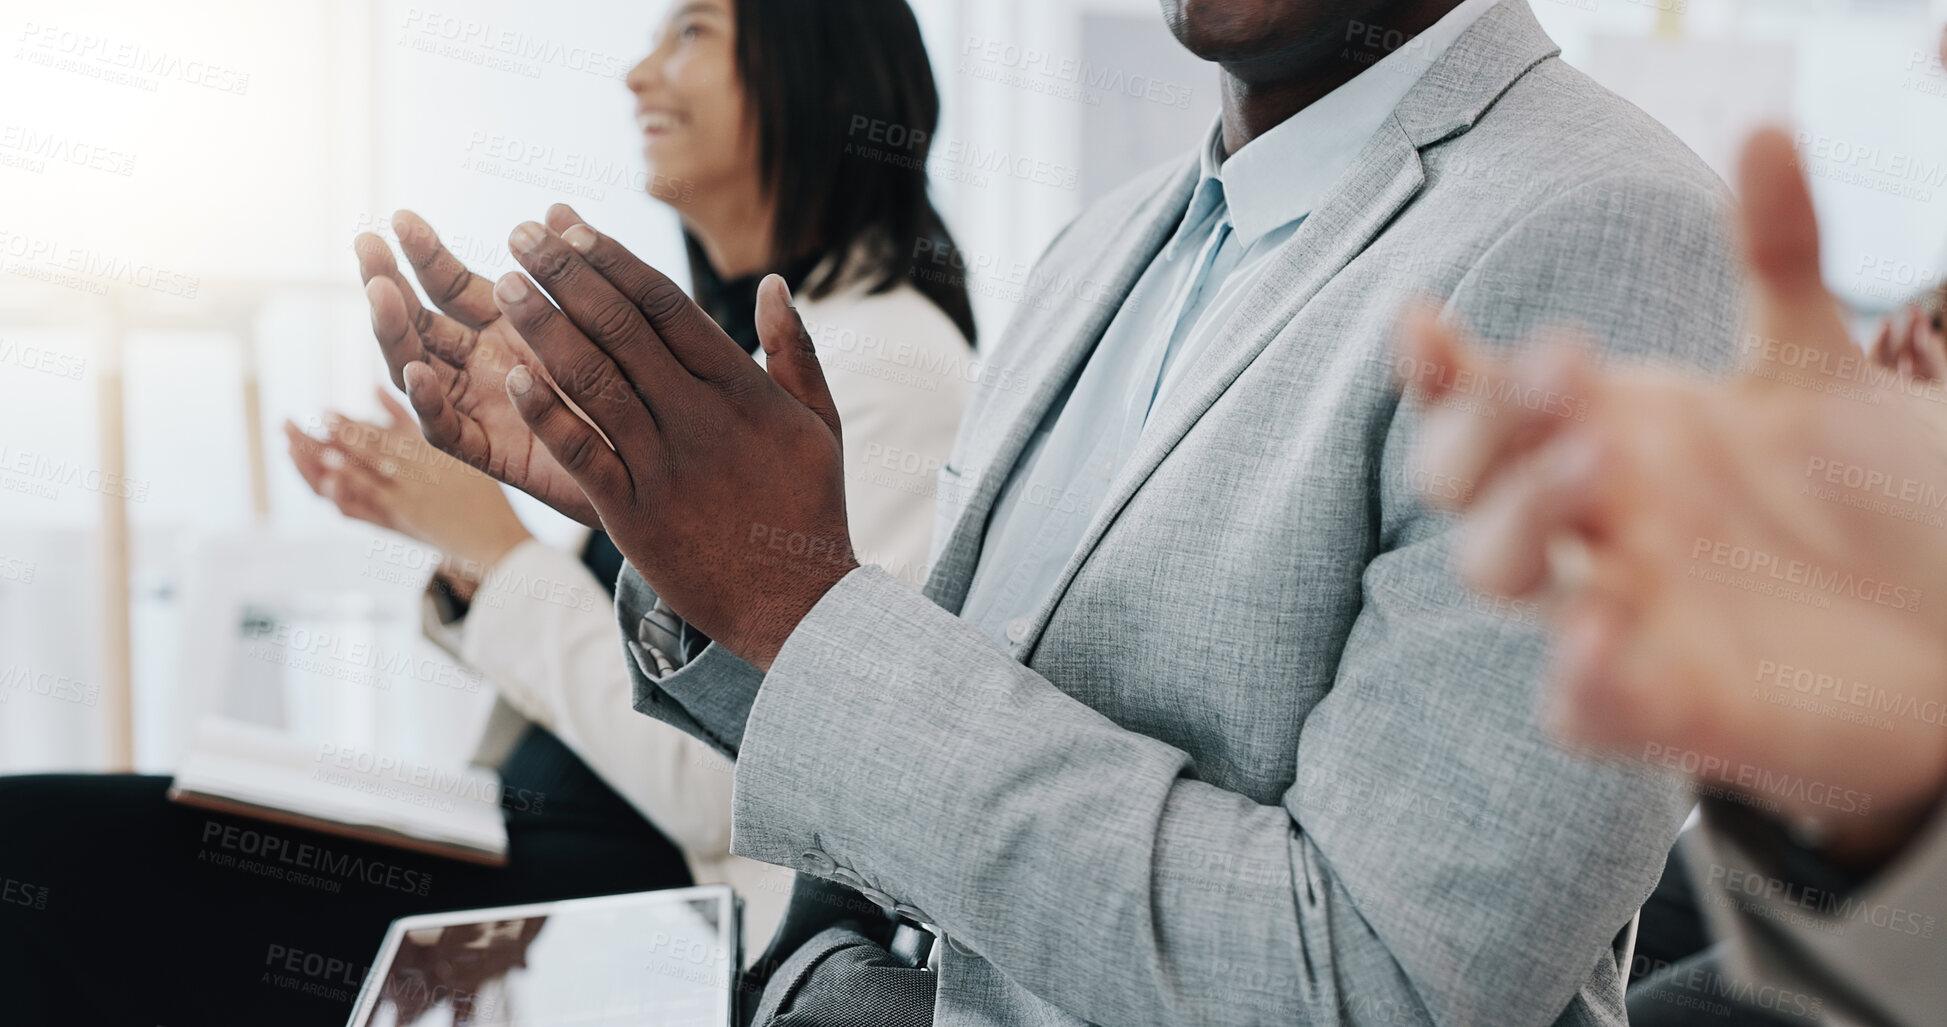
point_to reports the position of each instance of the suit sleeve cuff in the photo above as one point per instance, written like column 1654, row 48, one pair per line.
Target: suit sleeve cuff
column 831, row 724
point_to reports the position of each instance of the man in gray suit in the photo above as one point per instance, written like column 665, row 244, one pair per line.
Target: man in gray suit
column 1192, row 723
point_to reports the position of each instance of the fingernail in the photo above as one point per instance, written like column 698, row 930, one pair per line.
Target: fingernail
column 785, row 287
column 527, row 236
column 512, row 288
column 519, row 380
column 581, row 237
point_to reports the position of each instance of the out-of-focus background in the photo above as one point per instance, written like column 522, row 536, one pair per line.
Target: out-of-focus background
column 180, row 183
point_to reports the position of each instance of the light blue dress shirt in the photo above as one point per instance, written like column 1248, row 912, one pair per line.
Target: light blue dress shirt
column 1243, row 210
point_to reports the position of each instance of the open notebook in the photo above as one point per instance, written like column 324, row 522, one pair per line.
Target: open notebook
column 259, row 772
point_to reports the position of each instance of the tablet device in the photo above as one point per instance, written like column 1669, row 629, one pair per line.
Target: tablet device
column 651, row 958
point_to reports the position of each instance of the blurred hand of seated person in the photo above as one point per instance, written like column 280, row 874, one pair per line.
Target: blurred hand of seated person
column 1913, row 341
column 387, row 475
column 1744, row 580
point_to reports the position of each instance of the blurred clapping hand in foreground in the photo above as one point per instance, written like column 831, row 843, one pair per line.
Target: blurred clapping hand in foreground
column 1705, row 546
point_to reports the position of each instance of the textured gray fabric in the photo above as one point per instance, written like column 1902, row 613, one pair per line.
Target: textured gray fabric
column 841, row 978
column 1266, row 761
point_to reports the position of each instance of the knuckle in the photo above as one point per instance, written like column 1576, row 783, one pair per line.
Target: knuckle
column 612, row 319
column 456, row 283
column 662, row 299
column 578, row 451
column 552, row 263
column 586, row 375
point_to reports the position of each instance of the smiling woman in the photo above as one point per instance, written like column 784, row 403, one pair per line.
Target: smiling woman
column 757, row 114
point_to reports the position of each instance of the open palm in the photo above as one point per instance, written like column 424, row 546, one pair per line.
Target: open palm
column 453, row 363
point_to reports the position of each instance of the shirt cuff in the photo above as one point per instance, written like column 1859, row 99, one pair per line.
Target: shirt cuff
column 707, row 695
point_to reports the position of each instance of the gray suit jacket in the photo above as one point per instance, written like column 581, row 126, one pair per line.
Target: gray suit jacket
column 1267, row 762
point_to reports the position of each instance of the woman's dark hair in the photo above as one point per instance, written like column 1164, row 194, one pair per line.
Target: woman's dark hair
column 845, row 108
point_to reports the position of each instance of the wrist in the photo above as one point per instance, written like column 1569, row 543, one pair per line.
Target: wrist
column 780, row 620
column 469, row 563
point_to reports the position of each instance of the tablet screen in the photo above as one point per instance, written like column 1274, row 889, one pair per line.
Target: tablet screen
column 655, row 958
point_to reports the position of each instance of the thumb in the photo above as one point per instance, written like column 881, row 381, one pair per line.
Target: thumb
column 788, row 352
column 1795, row 321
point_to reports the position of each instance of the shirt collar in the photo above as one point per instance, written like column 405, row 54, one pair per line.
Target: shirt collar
column 1280, row 176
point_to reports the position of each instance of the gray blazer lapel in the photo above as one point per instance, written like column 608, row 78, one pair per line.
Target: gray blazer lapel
column 1057, row 339
column 1491, row 56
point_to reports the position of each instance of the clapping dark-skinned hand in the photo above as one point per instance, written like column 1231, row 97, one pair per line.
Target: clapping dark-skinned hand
column 721, row 481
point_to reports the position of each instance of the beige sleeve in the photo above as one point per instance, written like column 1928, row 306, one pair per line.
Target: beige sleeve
column 543, row 630
column 1871, row 955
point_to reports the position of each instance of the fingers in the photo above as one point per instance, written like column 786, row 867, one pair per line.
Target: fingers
column 576, row 445
column 1505, row 547
column 1432, row 355
column 439, row 422
column 603, row 314
column 1929, row 349
column 356, row 491
column 391, row 316
column 307, row 455
column 1908, row 343
column 562, row 217
column 406, row 330
column 1903, row 361
column 586, row 373
column 1586, row 701
column 465, row 296
column 789, row 355
column 361, row 496
column 350, row 436
column 1886, row 345
column 687, row 332
column 1486, row 414
column 1781, row 244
